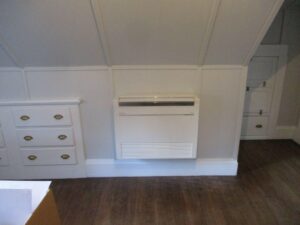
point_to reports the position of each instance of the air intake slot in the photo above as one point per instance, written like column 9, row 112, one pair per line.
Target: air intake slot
column 139, row 104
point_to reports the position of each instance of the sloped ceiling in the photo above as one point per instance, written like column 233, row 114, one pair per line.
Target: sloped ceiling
column 51, row 32
column 132, row 32
column 236, row 31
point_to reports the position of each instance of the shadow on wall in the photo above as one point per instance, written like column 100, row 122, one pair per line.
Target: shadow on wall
column 286, row 30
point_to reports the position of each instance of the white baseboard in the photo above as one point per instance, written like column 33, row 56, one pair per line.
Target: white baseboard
column 284, row 132
column 138, row 168
column 254, row 137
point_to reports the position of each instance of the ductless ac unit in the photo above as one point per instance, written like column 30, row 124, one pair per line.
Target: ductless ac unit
column 156, row 127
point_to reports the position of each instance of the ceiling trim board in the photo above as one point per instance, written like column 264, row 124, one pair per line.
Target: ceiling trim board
column 209, row 31
column 96, row 10
column 10, row 53
column 223, row 67
column 155, row 67
column 10, row 69
column 79, row 68
column 263, row 30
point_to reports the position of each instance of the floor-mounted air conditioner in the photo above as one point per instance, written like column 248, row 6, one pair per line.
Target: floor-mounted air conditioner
column 156, row 127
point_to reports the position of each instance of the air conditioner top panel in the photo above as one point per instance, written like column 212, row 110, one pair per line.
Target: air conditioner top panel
column 157, row 99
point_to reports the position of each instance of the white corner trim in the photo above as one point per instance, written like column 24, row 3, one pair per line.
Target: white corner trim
column 240, row 110
column 137, row 168
column 26, row 85
column 284, row 132
column 263, row 30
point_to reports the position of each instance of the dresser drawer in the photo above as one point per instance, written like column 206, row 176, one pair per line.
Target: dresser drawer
column 45, row 137
column 48, row 156
column 42, row 116
column 260, row 84
column 256, row 101
column 255, row 126
column 2, row 142
column 3, row 158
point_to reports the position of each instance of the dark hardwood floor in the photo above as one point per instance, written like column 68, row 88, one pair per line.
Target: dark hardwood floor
column 265, row 192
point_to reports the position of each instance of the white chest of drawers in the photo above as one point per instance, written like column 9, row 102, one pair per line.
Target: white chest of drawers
column 41, row 140
column 266, row 74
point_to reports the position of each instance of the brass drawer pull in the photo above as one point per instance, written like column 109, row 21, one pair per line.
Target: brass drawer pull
column 24, row 117
column 32, row 157
column 62, row 137
column 259, row 126
column 28, row 138
column 58, row 116
column 65, row 156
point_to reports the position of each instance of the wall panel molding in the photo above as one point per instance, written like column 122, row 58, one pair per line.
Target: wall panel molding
column 155, row 67
column 79, row 68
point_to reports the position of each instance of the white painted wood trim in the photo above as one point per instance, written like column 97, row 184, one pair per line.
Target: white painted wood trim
column 263, row 30
column 137, row 168
column 73, row 101
column 209, row 31
column 240, row 111
column 79, row 68
column 97, row 14
column 10, row 69
column 26, row 86
column 222, row 67
column 123, row 67
column 154, row 67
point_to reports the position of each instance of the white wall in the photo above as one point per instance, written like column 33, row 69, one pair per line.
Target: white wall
column 221, row 91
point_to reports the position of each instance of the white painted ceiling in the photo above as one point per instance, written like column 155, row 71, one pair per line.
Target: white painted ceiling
column 131, row 32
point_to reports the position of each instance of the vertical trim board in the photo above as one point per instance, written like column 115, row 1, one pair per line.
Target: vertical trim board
column 96, row 10
column 209, row 31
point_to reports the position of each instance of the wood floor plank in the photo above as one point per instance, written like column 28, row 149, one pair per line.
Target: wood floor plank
column 265, row 192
